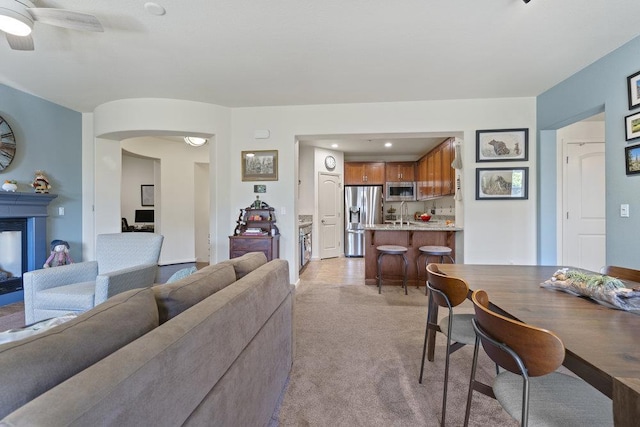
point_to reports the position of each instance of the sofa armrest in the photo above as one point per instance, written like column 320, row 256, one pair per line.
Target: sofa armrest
column 115, row 282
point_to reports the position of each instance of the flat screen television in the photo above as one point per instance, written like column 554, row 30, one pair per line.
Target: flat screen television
column 144, row 216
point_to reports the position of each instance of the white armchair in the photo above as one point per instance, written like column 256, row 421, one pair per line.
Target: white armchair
column 123, row 261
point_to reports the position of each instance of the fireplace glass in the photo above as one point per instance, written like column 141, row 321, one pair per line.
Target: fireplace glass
column 13, row 253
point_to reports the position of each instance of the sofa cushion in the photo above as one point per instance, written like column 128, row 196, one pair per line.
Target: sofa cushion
column 247, row 263
column 174, row 298
column 36, row 364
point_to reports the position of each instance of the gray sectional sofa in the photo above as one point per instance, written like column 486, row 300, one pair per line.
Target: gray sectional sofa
column 213, row 349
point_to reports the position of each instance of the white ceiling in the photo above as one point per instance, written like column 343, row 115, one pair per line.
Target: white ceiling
column 241, row 53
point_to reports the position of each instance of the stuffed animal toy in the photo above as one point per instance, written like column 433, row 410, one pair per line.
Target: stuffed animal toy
column 59, row 254
column 41, row 183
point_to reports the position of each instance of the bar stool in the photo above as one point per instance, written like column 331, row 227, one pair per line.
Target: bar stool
column 429, row 251
column 392, row 250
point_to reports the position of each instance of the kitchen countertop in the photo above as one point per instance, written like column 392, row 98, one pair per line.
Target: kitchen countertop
column 414, row 226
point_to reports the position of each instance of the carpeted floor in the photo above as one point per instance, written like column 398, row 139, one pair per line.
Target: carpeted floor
column 357, row 363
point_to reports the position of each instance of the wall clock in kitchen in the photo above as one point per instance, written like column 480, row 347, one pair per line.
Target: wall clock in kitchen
column 7, row 144
column 330, row 162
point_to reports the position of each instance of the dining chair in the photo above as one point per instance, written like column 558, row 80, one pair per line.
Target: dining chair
column 447, row 291
column 621, row 273
column 529, row 388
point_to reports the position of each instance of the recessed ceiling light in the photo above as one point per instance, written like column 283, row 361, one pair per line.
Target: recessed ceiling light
column 388, row 144
column 154, row 9
column 195, row 141
column 334, row 145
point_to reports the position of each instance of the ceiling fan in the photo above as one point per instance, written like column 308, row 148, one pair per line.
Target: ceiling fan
column 17, row 18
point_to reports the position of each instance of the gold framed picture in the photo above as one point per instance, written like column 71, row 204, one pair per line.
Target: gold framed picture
column 260, row 165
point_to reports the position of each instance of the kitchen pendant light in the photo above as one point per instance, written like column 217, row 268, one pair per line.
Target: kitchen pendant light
column 195, row 141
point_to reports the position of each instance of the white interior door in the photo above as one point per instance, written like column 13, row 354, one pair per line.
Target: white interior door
column 329, row 211
column 584, row 231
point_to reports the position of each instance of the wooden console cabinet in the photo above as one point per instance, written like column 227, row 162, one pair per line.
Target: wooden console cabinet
column 256, row 231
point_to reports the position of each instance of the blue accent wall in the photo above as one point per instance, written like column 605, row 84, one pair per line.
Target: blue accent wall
column 48, row 137
column 601, row 86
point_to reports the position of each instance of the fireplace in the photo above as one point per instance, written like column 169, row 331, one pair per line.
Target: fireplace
column 13, row 253
column 23, row 237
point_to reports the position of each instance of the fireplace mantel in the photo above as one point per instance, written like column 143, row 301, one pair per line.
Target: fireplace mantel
column 24, row 205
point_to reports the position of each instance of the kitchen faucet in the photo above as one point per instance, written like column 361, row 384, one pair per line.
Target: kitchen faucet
column 403, row 207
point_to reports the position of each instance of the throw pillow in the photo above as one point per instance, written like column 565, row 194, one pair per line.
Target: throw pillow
column 181, row 274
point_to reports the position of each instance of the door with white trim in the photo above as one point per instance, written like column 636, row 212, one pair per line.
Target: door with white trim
column 330, row 226
column 584, row 228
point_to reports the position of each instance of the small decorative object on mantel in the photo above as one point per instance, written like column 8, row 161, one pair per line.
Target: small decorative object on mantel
column 605, row 290
column 10, row 185
column 41, row 182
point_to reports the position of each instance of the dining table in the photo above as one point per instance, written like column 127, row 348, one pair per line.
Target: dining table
column 602, row 344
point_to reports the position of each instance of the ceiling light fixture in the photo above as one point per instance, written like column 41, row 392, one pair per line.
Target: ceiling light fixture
column 334, row 145
column 195, row 141
column 14, row 22
column 388, row 144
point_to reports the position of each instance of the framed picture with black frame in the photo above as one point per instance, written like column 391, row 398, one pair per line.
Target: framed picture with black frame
column 632, row 126
column 633, row 90
column 502, row 145
column 632, row 159
column 502, row 183
column 146, row 195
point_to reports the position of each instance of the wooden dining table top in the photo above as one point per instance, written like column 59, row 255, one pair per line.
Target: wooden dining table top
column 601, row 343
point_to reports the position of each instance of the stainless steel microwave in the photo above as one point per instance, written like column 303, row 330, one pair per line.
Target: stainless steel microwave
column 400, row 191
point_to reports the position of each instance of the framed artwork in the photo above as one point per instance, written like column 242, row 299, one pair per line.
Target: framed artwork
column 261, row 165
column 259, row 188
column 146, row 195
column 633, row 90
column 632, row 126
column 502, row 183
column 632, row 159
column 502, row 145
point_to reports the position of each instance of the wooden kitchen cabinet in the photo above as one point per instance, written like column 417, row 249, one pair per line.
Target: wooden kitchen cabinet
column 364, row 173
column 400, row 171
column 435, row 176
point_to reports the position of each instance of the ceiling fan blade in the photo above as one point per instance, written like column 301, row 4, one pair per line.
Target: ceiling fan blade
column 20, row 42
column 66, row 19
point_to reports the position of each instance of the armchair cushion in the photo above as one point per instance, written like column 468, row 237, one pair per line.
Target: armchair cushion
column 72, row 347
column 77, row 297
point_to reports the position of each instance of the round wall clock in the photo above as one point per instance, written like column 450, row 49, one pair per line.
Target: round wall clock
column 330, row 162
column 7, row 144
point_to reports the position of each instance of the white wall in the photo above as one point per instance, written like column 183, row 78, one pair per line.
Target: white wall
column 136, row 171
column 495, row 231
column 176, row 191
column 119, row 120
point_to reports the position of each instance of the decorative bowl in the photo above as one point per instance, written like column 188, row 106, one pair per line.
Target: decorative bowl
column 425, row 217
column 9, row 186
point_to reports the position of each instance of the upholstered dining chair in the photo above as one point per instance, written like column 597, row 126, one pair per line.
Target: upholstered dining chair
column 529, row 388
column 447, row 291
column 123, row 261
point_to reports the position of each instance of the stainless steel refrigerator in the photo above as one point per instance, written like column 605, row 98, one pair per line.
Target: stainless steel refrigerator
column 362, row 206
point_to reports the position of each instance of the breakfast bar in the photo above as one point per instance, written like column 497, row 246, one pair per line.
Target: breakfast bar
column 412, row 236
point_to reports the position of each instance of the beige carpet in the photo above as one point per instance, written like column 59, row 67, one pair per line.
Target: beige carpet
column 357, row 363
